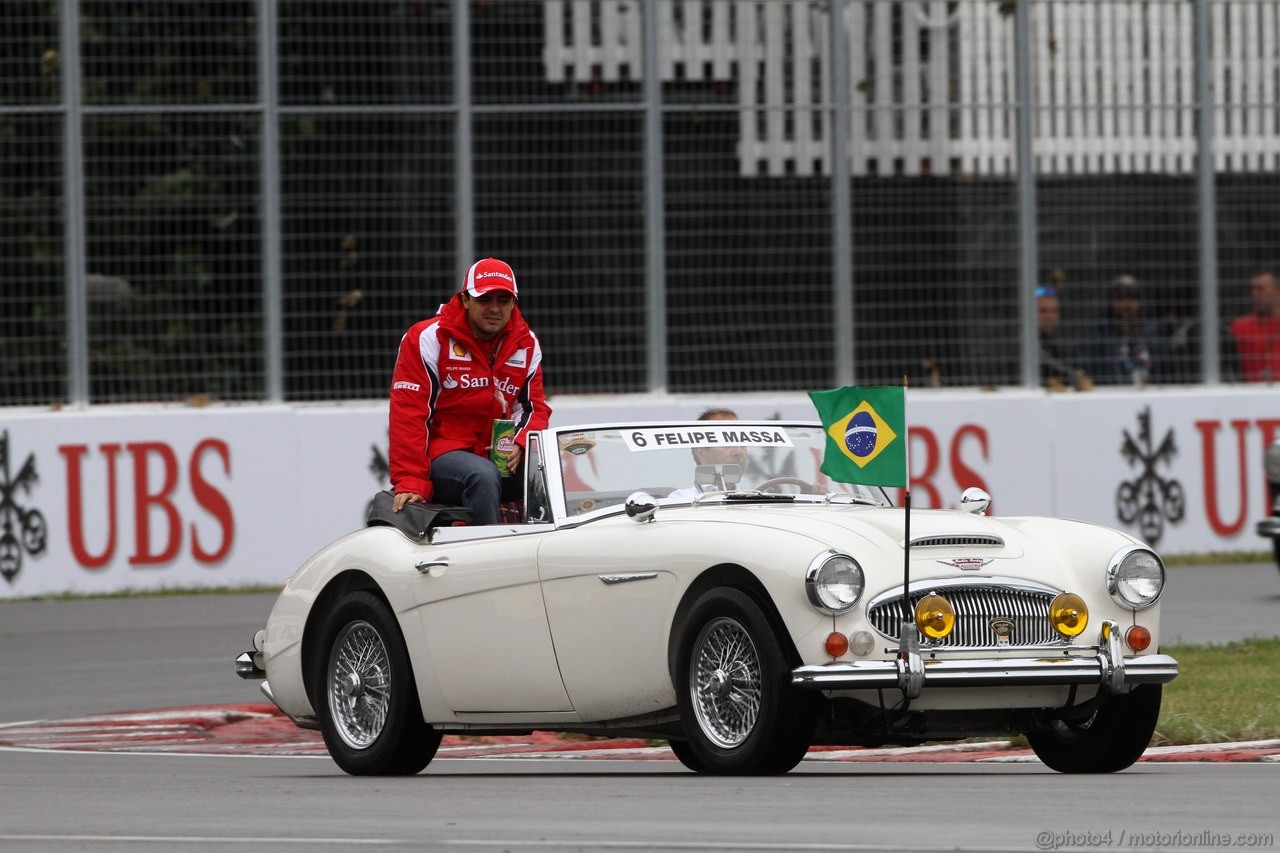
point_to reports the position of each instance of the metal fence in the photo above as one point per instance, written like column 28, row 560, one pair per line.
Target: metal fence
column 252, row 200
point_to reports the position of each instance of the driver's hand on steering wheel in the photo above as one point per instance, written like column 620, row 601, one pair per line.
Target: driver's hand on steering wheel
column 402, row 498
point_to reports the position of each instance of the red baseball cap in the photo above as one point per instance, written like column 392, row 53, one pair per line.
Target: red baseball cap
column 488, row 275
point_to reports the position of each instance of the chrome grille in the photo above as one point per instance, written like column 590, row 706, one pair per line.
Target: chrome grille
column 976, row 606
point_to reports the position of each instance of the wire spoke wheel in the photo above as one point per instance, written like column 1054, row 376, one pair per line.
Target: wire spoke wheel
column 359, row 685
column 725, row 682
column 732, row 674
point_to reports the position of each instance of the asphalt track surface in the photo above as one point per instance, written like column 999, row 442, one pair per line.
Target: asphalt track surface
column 69, row 659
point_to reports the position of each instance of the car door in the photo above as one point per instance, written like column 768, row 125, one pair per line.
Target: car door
column 609, row 595
column 485, row 623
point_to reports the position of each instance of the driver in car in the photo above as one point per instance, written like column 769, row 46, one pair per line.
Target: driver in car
column 714, row 456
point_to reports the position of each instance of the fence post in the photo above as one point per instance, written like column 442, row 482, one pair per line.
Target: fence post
column 1028, row 239
column 75, row 262
column 841, row 196
column 1209, row 368
column 655, row 234
column 464, row 203
column 269, row 164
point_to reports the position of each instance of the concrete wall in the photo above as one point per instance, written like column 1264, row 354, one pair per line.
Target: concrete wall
column 147, row 497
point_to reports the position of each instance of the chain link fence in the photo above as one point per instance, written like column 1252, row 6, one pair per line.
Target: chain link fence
column 252, row 200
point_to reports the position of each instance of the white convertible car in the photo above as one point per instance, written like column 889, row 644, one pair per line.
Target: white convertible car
column 703, row 582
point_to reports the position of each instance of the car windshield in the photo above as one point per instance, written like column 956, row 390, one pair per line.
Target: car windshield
column 702, row 462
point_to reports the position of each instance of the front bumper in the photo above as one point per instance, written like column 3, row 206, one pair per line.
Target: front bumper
column 1106, row 667
column 1269, row 527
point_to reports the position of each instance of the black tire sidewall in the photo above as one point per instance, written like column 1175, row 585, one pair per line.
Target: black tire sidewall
column 686, row 756
column 758, row 753
column 1117, row 737
column 406, row 744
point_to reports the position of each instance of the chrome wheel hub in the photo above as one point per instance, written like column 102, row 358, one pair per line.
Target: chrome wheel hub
column 352, row 685
column 719, row 685
column 725, row 682
column 359, row 685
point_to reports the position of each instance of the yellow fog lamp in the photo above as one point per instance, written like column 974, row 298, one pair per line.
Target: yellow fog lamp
column 935, row 617
column 1069, row 614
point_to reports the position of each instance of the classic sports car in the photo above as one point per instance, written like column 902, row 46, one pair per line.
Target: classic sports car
column 704, row 583
column 1270, row 526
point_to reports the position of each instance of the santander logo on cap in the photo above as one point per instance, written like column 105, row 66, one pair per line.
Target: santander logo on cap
column 488, row 275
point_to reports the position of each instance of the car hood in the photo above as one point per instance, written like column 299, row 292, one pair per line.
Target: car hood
column 944, row 542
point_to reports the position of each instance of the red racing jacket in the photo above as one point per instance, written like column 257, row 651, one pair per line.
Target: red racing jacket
column 446, row 392
column 1258, row 347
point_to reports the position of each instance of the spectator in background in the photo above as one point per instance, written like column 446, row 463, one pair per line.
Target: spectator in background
column 1057, row 365
column 1122, row 347
column 1257, row 334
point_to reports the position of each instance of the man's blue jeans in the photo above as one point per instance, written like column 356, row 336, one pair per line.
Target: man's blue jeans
column 462, row 478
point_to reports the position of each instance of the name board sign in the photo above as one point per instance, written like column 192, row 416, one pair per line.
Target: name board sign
column 665, row 438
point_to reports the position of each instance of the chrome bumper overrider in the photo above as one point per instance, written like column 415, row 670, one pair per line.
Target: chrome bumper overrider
column 1106, row 667
column 247, row 666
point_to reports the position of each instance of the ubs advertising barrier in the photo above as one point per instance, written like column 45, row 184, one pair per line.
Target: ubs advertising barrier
column 147, row 498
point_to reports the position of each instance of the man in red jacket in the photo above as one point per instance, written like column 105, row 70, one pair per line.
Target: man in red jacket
column 474, row 362
column 1257, row 334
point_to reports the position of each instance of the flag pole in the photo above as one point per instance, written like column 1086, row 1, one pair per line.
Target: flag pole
column 906, row 527
column 910, row 668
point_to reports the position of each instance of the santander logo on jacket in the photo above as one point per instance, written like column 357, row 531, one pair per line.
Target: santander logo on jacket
column 449, row 387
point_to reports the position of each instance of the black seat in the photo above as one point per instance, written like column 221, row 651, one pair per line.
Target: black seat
column 414, row 520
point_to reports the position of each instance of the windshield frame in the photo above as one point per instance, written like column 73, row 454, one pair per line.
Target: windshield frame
column 555, row 481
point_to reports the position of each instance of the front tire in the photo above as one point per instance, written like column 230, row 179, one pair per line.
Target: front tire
column 1111, row 740
column 733, row 687
column 366, row 698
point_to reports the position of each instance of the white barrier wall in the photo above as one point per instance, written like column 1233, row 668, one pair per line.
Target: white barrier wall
column 140, row 498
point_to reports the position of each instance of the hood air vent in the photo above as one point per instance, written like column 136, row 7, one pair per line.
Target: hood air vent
column 951, row 540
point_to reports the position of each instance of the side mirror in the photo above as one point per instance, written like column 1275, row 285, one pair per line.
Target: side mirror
column 975, row 500
column 641, row 506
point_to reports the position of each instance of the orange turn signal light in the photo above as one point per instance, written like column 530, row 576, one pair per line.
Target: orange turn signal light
column 1138, row 638
column 837, row 644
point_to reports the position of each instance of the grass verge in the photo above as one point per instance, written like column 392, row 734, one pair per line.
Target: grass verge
column 1213, row 557
column 1222, row 693
column 159, row 592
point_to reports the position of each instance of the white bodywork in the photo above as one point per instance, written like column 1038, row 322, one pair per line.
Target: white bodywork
column 569, row 622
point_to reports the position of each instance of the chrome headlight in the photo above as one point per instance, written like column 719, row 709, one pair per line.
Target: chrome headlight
column 1135, row 577
column 1271, row 462
column 834, row 582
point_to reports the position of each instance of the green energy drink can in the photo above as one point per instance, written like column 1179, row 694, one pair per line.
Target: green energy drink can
column 504, row 441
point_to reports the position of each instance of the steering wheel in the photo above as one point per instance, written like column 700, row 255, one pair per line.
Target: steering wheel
column 805, row 486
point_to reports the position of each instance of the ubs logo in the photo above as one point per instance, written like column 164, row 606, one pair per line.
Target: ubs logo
column 1147, row 498
column 23, row 529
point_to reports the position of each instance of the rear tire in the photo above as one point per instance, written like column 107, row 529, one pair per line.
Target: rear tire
column 740, row 713
column 685, row 753
column 1111, row 740
column 365, row 696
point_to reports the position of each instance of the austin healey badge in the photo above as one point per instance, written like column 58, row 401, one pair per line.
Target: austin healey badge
column 967, row 564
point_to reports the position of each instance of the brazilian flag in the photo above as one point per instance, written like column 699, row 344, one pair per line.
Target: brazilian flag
column 866, row 434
